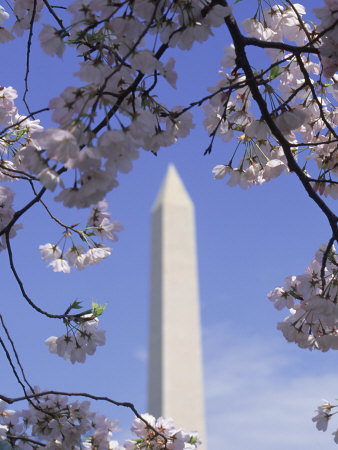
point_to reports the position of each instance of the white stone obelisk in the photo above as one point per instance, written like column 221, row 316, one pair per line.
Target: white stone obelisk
column 175, row 362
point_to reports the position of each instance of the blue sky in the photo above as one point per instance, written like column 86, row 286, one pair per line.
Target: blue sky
column 260, row 391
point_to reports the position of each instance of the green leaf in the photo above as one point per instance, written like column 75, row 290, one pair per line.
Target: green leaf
column 98, row 310
column 76, row 305
column 274, row 72
column 237, row 1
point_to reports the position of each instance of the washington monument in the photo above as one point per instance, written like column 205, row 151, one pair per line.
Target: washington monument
column 175, row 363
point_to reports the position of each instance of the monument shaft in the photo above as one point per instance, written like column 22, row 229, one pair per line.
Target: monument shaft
column 175, row 362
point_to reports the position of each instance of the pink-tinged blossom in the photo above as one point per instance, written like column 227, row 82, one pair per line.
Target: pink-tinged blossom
column 291, row 120
column 7, row 107
column 273, row 169
column 5, row 35
column 229, row 60
column 50, row 179
column 60, row 145
column 49, row 252
column 322, row 418
column 180, row 126
column 169, row 73
column 216, row 16
column 254, row 28
column 23, row 10
column 331, row 190
column 108, row 229
column 257, row 129
column 51, row 41
column 76, row 256
column 91, row 188
column 96, row 254
column 60, row 265
column 281, row 298
column 221, row 171
column 145, row 62
column 119, row 149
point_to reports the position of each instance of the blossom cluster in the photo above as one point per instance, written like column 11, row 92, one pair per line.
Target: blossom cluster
column 56, row 424
column 324, row 414
column 7, row 213
column 80, row 340
column 179, row 439
column 301, row 115
column 312, row 301
column 328, row 15
column 52, row 422
column 111, row 74
column 76, row 255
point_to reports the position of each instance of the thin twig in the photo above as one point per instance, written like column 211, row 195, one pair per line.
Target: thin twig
column 15, row 352
column 9, row 359
column 56, row 17
column 29, row 44
column 21, row 286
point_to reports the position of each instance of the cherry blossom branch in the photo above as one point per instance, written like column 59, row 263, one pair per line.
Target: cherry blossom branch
column 128, row 405
column 300, row 20
column 287, row 47
column 320, row 106
column 240, row 43
column 296, row 50
column 23, row 119
column 322, row 33
column 131, row 51
column 239, row 85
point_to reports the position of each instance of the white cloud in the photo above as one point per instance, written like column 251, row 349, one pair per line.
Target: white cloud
column 260, row 395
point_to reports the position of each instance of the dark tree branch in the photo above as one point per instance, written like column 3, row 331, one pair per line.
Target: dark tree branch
column 25, row 439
